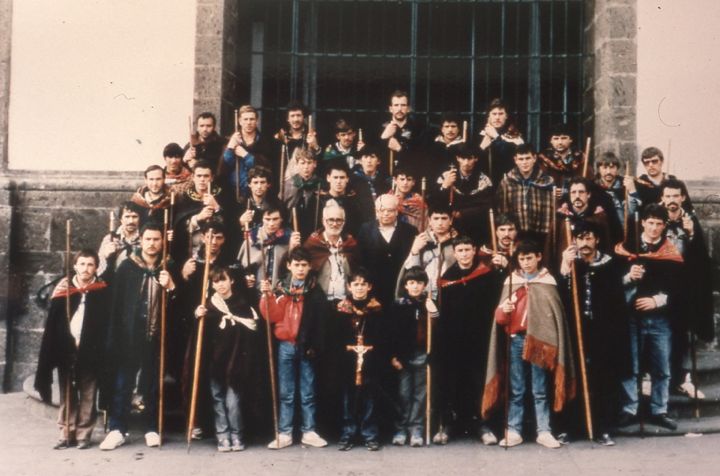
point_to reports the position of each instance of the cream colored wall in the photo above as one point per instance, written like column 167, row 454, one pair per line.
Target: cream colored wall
column 678, row 83
column 99, row 85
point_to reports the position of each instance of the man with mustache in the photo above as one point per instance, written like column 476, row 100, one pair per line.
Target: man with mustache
column 117, row 245
column 500, row 138
column 648, row 184
column 401, row 133
column 684, row 231
column 603, row 319
column 205, row 143
column 560, row 161
column 294, row 136
column 614, row 185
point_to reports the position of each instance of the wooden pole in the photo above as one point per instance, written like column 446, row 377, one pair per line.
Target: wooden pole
column 68, row 376
column 391, row 162
column 586, row 160
column 310, row 122
column 163, row 331
column 693, row 370
column 237, row 121
column 465, row 131
column 507, row 351
column 428, row 350
column 626, row 205
column 553, row 222
column 638, row 338
column 317, row 207
column 295, row 220
column 198, row 348
column 283, row 158
column 423, row 211
column 493, row 231
column 579, row 334
column 360, row 135
column 271, row 355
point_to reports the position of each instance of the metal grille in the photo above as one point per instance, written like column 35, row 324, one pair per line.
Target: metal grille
column 346, row 57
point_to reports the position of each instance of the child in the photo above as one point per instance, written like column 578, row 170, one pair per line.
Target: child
column 359, row 332
column 533, row 317
column 231, row 338
column 296, row 313
column 409, row 354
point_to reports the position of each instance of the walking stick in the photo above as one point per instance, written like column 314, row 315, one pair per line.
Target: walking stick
column 163, row 331
column 626, row 205
column 428, row 349
column 693, row 362
column 295, row 220
column 451, row 198
column 423, row 209
column 284, row 155
column 317, row 207
column 507, row 351
column 237, row 160
column 465, row 130
column 391, row 161
column 579, row 333
column 490, row 163
column 553, row 222
column 493, row 236
column 360, row 135
column 271, row 355
column 587, row 157
column 638, row 338
column 198, row 348
column 68, row 315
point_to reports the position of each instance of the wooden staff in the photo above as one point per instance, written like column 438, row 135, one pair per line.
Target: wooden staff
column 295, row 220
column 391, row 161
column 172, row 208
column 465, row 131
column 626, row 205
column 490, row 164
column 507, row 350
column 553, row 220
column 428, row 350
column 579, row 333
column 587, row 156
column 283, row 157
column 163, row 331
column 310, row 122
column 271, row 355
column 360, row 135
column 198, row 348
column 451, row 198
column 190, row 129
column 113, row 224
column 693, row 371
column 638, row 338
column 237, row 121
column 68, row 315
column 423, row 210
column 317, row 207
column 493, row 236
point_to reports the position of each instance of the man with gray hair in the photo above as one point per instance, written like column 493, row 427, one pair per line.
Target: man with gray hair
column 384, row 244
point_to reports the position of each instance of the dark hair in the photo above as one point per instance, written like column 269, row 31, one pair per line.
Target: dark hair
column 405, row 170
column 674, row 184
column 152, row 168
column 151, row 226
column 130, row 206
column 337, row 164
column 206, row 115
column 416, row 273
column 217, row 271
column 304, row 154
column 560, row 129
column 173, row 150
column 216, row 225
column 359, row 272
column 526, row 247
column 496, row 103
column 502, row 219
column 440, row 208
column 451, row 117
column 579, row 180
column 462, row 240
column 608, row 158
column 651, row 152
column 260, row 172
column 273, row 209
column 341, row 125
column 465, row 151
column 202, row 164
column 297, row 106
column 298, row 254
column 522, row 149
column 399, row 93
column 655, row 210
column 86, row 253
column 584, row 227
column 370, row 150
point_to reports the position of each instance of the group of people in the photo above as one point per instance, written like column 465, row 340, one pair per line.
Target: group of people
column 418, row 283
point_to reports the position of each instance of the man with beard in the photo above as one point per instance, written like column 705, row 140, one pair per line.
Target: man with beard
column 299, row 190
column 133, row 336
column 560, row 161
column 154, row 197
column 603, row 318
column 384, row 244
column 74, row 345
column 337, row 177
column 652, row 284
column 696, row 319
column 401, row 134
column 615, row 186
column 500, row 137
column 294, row 136
column 205, row 143
column 177, row 175
column 345, row 148
column 463, row 333
column 441, row 155
column 245, row 150
column 259, row 199
column 117, row 245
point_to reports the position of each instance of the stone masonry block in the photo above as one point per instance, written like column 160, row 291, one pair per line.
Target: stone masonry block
column 33, row 230
column 622, row 21
column 32, row 262
column 68, row 198
column 209, row 20
column 624, row 91
column 88, row 226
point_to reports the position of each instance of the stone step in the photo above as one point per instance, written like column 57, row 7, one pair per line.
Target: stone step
column 686, row 427
column 708, row 367
column 684, row 407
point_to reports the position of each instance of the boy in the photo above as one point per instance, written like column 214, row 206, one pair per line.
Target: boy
column 359, row 332
column 533, row 318
column 409, row 354
column 296, row 313
column 231, row 339
column 412, row 206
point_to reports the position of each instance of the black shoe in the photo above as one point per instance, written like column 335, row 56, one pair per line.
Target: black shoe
column 664, row 421
column 626, row 419
column 62, row 445
column 605, row 440
column 563, row 438
column 83, row 444
column 372, row 445
column 345, row 445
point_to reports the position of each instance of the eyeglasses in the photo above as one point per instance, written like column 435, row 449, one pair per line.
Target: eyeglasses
column 336, row 221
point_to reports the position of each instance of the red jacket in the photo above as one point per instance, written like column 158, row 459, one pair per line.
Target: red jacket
column 518, row 318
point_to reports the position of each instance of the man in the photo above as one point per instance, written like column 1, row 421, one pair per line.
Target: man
column 74, row 345
column 383, row 246
column 271, row 242
column 432, row 248
column 617, row 187
column 648, row 184
column 117, row 245
column 685, row 232
column 651, row 282
column 345, row 147
column 401, row 134
column 154, row 197
column 603, row 319
column 177, row 175
column 467, row 191
column 258, row 200
column 440, row 156
column 333, row 252
column 526, row 192
column 133, row 336
column 560, row 161
column 500, row 137
column 205, row 143
column 337, row 178
column 463, row 334
column 294, row 136
column 411, row 205
column 245, row 149
column 368, row 181
column 299, row 190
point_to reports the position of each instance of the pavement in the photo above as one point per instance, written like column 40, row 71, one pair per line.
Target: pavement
column 28, row 433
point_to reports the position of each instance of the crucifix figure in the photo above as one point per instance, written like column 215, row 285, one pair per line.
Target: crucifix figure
column 360, row 349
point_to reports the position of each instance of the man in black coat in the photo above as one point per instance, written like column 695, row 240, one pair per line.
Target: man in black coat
column 74, row 345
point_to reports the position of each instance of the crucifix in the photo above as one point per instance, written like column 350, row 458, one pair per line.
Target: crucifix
column 360, row 349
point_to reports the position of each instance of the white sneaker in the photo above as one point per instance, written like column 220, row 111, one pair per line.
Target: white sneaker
column 283, row 441
column 688, row 388
column 311, row 438
column 113, row 440
column 488, row 438
column 152, row 439
column 513, row 439
column 546, row 439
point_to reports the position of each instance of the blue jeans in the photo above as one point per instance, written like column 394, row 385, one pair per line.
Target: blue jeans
column 226, row 404
column 655, row 342
column 121, row 402
column 519, row 370
column 412, row 392
column 292, row 365
column 358, row 409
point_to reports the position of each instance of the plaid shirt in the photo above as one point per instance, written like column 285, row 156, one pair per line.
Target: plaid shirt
column 530, row 200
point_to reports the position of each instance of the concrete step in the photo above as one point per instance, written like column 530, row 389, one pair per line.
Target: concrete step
column 708, row 367
column 686, row 427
